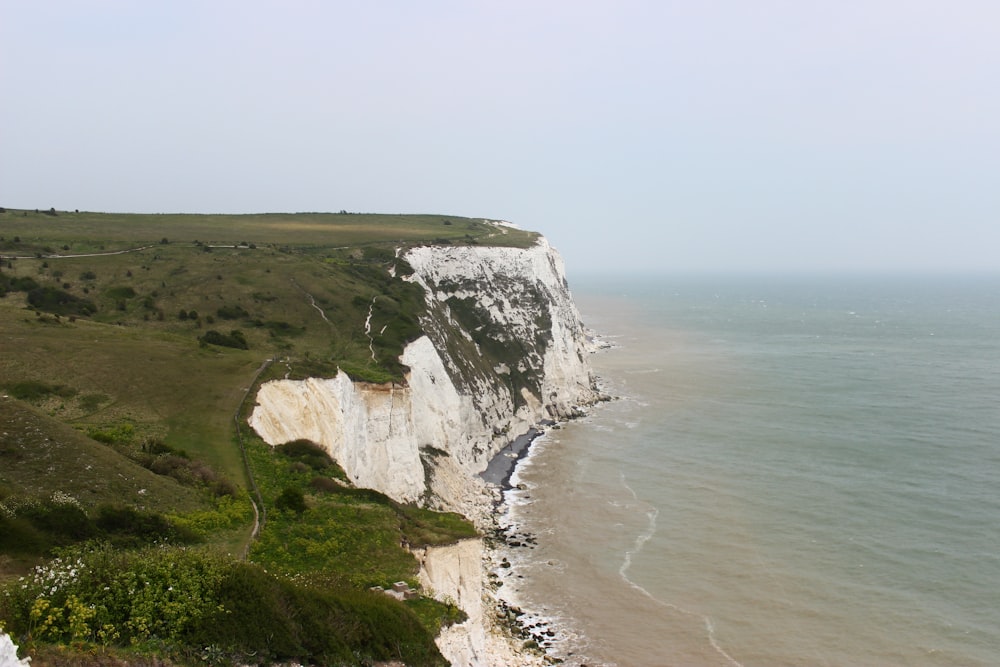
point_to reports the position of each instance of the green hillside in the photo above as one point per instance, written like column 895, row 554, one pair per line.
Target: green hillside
column 130, row 344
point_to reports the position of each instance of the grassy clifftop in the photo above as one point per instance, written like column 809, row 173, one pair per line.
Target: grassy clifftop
column 130, row 343
column 91, row 231
column 167, row 333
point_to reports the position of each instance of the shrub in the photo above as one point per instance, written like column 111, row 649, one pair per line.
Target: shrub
column 310, row 624
column 53, row 300
column 292, row 500
column 155, row 446
column 307, row 452
column 33, row 390
column 64, row 523
column 31, row 526
column 325, row 485
column 278, row 329
column 130, row 527
column 232, row 313
column 9, row 284
column 96, row 594
column 121, row 293
column 234, row 339
column 19, row 537
column 178, row 466
column 114, row 434
column 184, row 600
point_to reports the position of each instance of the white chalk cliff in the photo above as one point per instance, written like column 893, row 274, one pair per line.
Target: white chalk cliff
column 503, row 350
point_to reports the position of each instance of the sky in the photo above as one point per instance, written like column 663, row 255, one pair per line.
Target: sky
column 695, row 135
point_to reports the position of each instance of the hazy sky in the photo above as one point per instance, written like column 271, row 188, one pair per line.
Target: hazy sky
column 695, row 134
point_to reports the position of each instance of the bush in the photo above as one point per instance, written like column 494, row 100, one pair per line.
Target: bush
column 325, row 485
column 114, row 598
column 114, row 434
column 292, row 500
column 185, row 600
column 234, row 339
column 278, row 329
column 307, row 452
column 31, row 526
column 126, row 526
column 56, row 301
column 18, row 537
column 8, row 284
column 232, row 313
column 155, row 446
column 311, row 625
column 64, row 522
column 178, row 466
column 121, row 293
column 188, row 600
column 33, row 390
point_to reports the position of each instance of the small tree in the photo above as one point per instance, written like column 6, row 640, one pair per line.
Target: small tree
column 291, row 499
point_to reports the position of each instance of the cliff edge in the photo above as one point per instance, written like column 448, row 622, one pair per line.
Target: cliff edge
column 503, row 350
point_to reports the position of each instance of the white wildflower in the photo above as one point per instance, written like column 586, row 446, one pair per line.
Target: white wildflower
column 61, row 498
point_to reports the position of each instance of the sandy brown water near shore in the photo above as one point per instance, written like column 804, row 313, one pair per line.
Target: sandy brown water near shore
column 799, row 474
column 570, row 572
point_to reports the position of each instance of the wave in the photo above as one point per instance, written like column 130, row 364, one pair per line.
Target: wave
column 640, row 542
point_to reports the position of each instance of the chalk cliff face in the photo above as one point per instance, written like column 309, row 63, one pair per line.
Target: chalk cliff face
column 503, row 349
column 454, row 574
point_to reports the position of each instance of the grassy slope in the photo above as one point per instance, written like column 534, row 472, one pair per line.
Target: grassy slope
column 135, row 367
column 40, row 454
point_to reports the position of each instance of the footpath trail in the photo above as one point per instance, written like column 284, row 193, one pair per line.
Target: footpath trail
column 115, row 252
column 86, row 254
column 256, row 499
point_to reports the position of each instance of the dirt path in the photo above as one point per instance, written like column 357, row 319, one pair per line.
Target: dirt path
column 259, row 509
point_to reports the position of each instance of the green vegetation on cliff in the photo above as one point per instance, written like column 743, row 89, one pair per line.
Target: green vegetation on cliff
column 131, row 343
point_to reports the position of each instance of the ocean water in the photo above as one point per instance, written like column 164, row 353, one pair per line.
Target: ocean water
column 798, row 471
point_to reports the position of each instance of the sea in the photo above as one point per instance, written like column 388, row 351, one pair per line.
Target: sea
column 795, row 470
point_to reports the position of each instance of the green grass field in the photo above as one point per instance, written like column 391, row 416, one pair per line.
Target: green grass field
column 131, row 342
column 87, row 232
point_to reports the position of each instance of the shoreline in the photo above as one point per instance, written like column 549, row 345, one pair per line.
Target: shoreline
column 550, row 640
column 540, row 637
column 501, row 467
column 472, row 572
column 499, row 632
